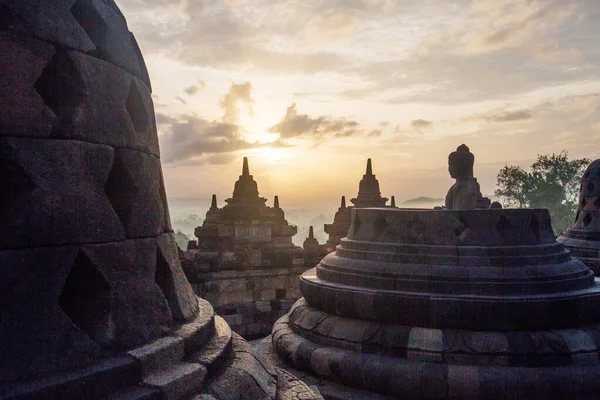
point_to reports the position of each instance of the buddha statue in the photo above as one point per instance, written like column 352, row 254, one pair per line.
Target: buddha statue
column 465, row 193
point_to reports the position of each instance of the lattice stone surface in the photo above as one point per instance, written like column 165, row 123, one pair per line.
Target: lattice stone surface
column 94, row 303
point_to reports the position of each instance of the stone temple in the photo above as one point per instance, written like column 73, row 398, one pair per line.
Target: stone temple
column 438, row 304
column 244, row 261
column 583, row 238
column 368, row 196
column 94, row 303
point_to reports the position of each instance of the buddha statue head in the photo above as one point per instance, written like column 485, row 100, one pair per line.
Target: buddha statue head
column 460, row 163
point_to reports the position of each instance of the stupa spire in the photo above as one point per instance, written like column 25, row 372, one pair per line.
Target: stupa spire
column 245, row 169
column 311, row 233
column 276, row 202
column 368, row 190
column 393, row 202
column 343, row 205
column 213, row 203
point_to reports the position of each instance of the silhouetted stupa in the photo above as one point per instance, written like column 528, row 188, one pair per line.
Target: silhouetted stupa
column 244, row 262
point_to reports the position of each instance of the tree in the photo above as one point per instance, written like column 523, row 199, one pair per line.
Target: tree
column 182, row 239
column 553, row 183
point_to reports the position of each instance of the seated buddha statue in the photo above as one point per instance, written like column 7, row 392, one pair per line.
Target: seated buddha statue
column 465, row 194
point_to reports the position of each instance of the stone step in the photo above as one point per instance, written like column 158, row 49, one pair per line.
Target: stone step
column 196, row 333
column 178, row 380
column 158, row 354
column 136, row 393
column 215, row 352
column 109, row 375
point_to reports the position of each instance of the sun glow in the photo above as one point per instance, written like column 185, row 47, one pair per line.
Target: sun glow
column 272, row 155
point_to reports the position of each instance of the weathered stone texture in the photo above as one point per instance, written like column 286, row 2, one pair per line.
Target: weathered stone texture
column 88, row 263
column 433, row 304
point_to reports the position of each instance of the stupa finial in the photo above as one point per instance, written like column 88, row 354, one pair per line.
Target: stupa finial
column 369, row 168
column 311, row 233
column 343, row 205
column 213, row 203
column 393, row 201
column 245, row 169
column 276, row 202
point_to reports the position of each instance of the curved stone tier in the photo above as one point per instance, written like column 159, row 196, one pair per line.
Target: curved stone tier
column 448, row 304
column 200, row 357
column 417, row 373
column 476, row 269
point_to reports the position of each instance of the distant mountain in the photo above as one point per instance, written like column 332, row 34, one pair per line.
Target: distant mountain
column 422, row 200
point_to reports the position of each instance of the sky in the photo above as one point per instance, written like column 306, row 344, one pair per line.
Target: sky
column 308, row 90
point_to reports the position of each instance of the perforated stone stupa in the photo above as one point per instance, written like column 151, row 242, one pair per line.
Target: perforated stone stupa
column 94, row 302
column 438, row 304
column 583, row 238
column 244, row 261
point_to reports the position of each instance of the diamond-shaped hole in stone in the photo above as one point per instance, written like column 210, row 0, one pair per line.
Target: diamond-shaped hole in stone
column 417, row 225
column 464, row 225
column 503, row 224
column 86, row 298
column 587, row 220
column 356, row 223
column 58, row 85
column 164, row 279
column 8, row 18
column 90, row 20
column 120, row 189
column 14, row 183
column 137, row 109
column 583, row 203
column 380, row 225
column 534, row 225
column 597, row 203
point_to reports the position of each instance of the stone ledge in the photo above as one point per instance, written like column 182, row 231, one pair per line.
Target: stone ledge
column 450, row 346
column 425, row 380
column 472, row 312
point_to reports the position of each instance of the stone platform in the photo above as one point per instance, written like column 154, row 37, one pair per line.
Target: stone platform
column 479, row 304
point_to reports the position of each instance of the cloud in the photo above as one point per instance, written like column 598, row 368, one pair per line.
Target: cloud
column 238, row 93
column 188, row 137
column 182, row 101
column 418, row 124
column 319, row 128
column 194, row 89
column 507, row 116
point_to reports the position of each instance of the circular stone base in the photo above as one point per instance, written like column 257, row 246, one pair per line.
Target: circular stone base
column 419, row 372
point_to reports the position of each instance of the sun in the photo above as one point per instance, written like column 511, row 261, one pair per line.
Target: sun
column 272, row 155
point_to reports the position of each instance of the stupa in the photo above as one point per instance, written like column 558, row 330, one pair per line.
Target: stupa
column 94, row 301
column 368, row 196
column 438, row 304
column 583, row 238
column 244, row 261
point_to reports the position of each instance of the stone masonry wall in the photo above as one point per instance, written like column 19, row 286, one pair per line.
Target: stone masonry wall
column 250, row 300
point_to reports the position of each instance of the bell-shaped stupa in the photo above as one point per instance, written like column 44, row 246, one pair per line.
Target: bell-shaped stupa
column 583, row 238
column 94, row 301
